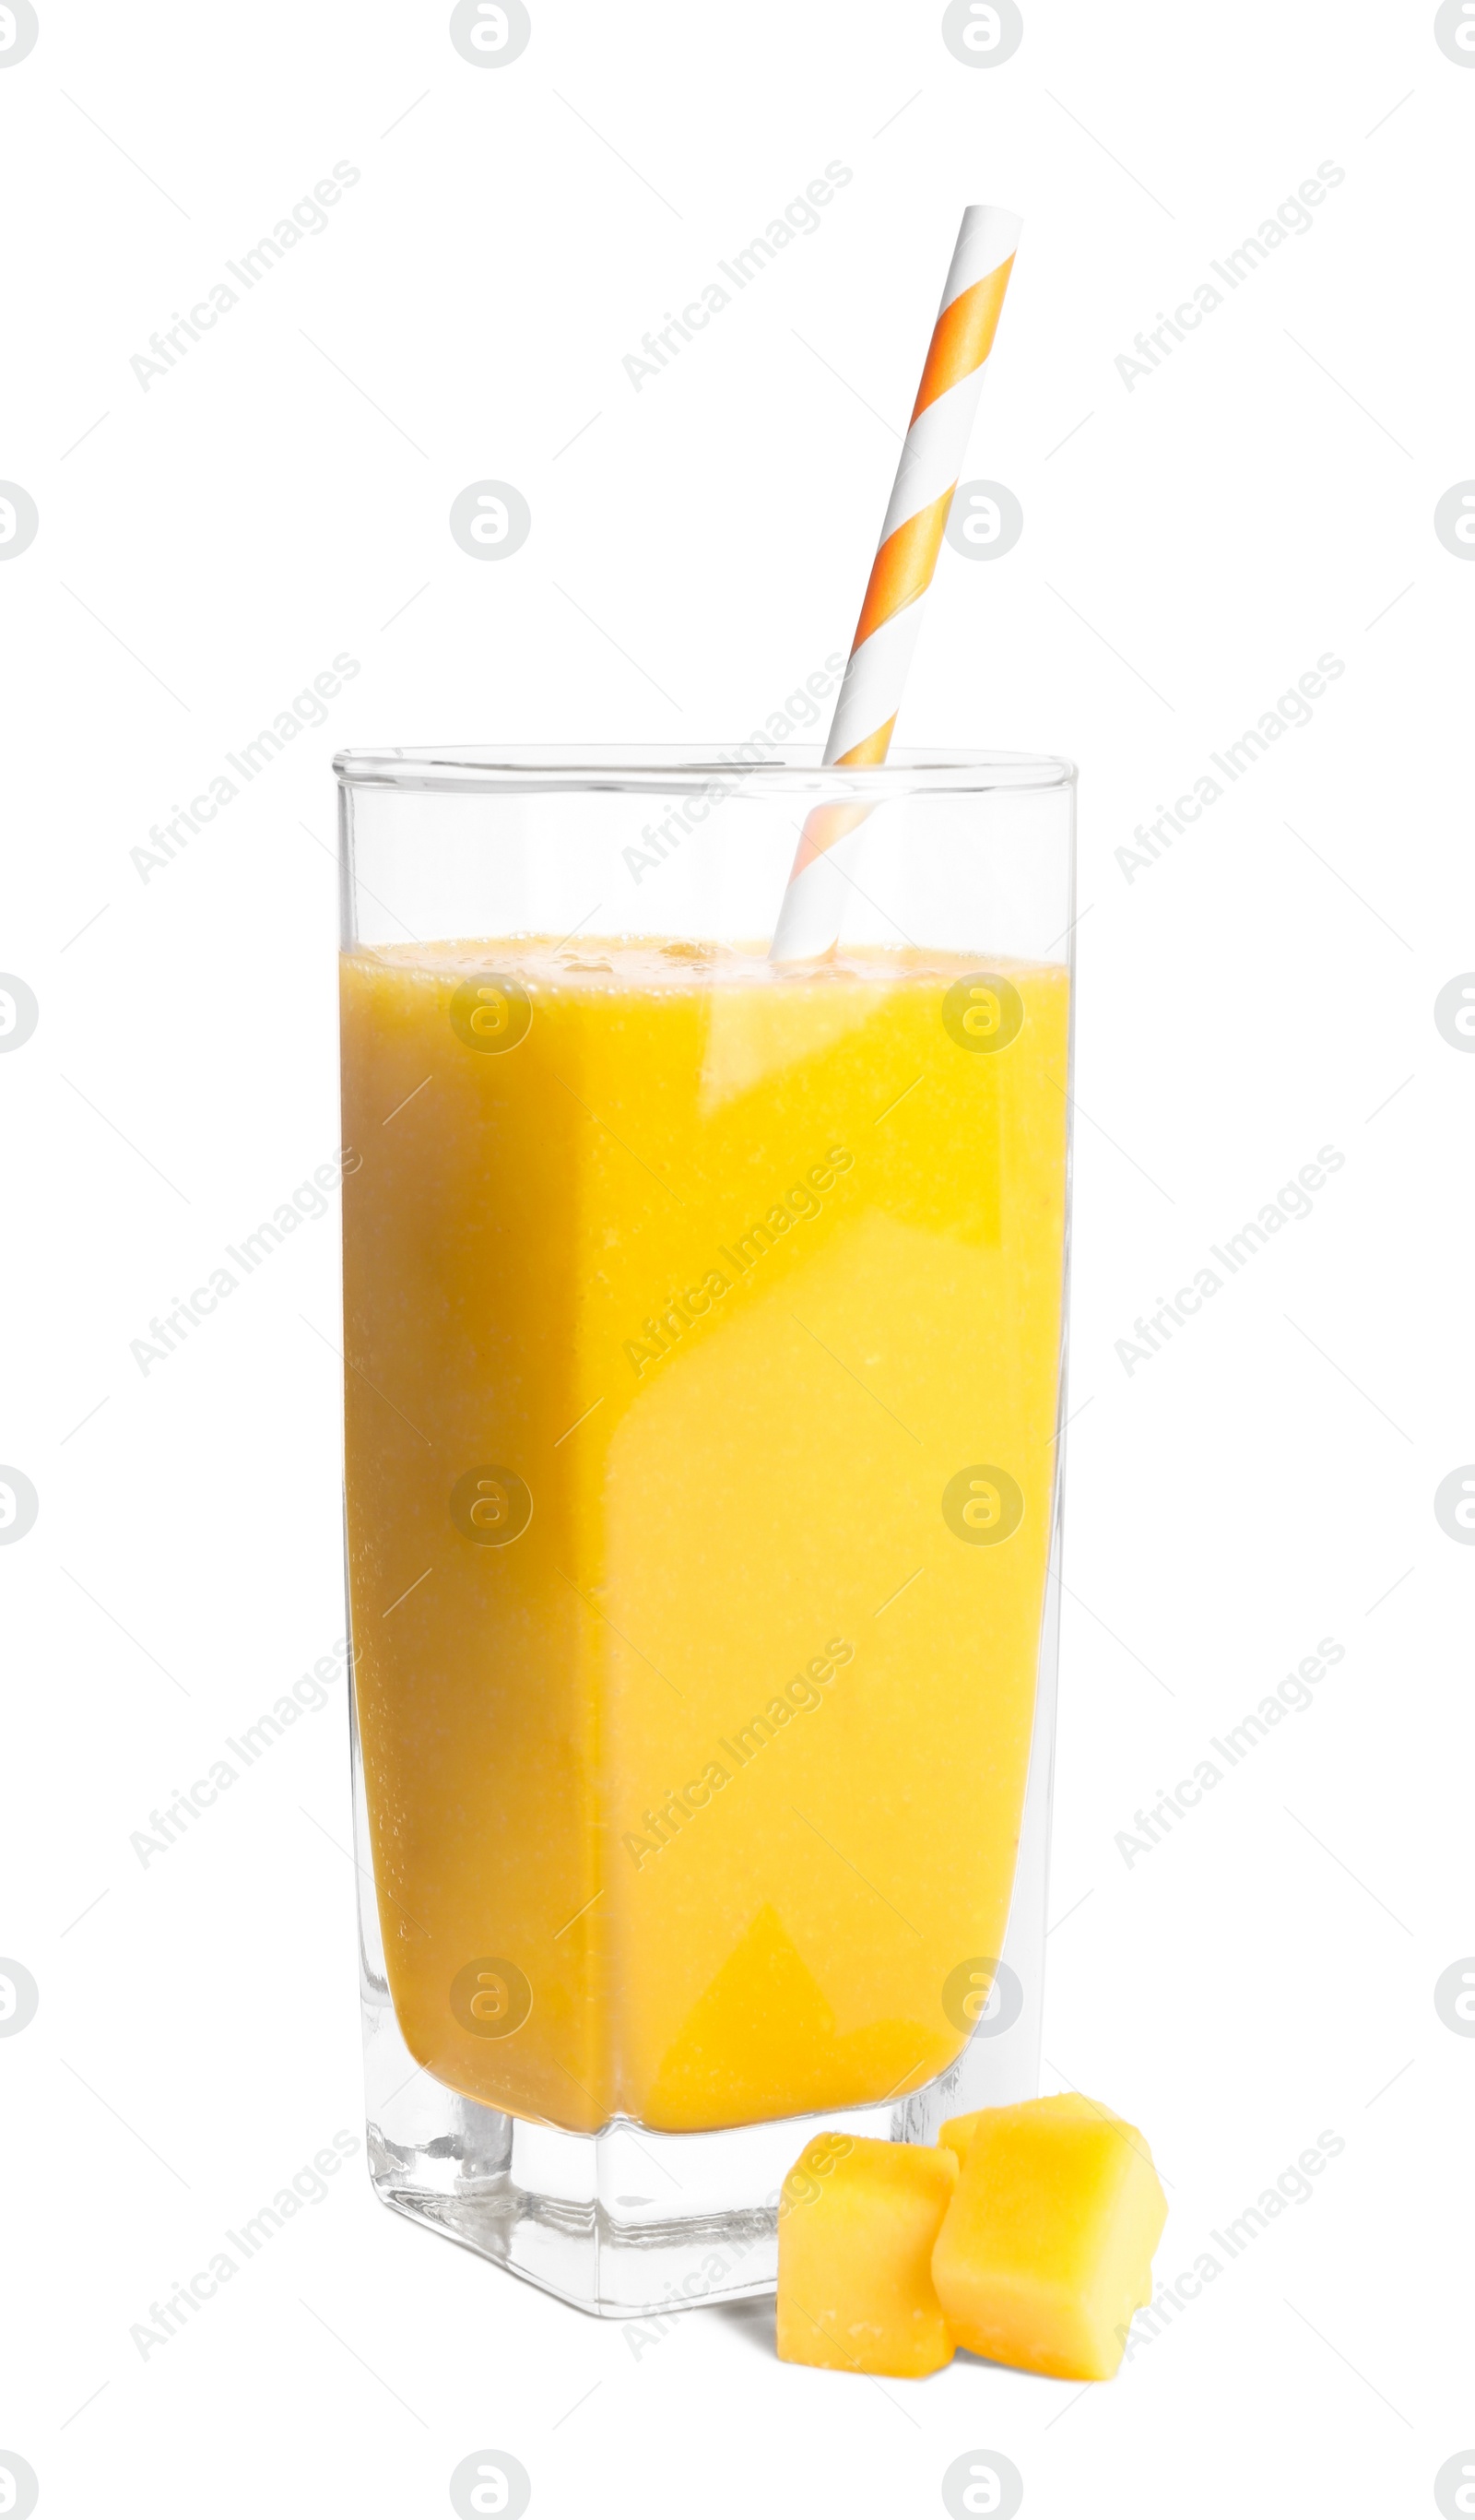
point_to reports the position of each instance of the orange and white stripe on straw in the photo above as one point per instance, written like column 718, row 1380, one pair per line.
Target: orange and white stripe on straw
column 900, row 573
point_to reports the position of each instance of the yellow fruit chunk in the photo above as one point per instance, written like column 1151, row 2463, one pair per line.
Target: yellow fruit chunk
column 857, row 2227
column 1046, row 2247
column 957, row 2134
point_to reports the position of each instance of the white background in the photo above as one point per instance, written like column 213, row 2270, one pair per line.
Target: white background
column 1190, row 547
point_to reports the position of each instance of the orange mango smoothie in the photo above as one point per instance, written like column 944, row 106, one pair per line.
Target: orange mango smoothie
column 703, row 1325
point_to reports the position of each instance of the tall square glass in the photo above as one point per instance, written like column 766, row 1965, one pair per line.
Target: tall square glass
column 704, row 1332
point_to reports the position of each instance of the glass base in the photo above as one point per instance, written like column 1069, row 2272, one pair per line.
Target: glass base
column 626, row 2222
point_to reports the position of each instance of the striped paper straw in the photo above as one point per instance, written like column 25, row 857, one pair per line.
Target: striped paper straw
column 900, row 573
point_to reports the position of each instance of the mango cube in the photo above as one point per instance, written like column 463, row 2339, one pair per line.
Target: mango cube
column 857, row 2227
column 1046, row 2247
column 957, row 2134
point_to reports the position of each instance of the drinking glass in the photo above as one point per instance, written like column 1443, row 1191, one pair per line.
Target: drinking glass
column 704, row 1332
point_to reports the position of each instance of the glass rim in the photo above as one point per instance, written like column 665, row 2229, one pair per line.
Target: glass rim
column 783, row 768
